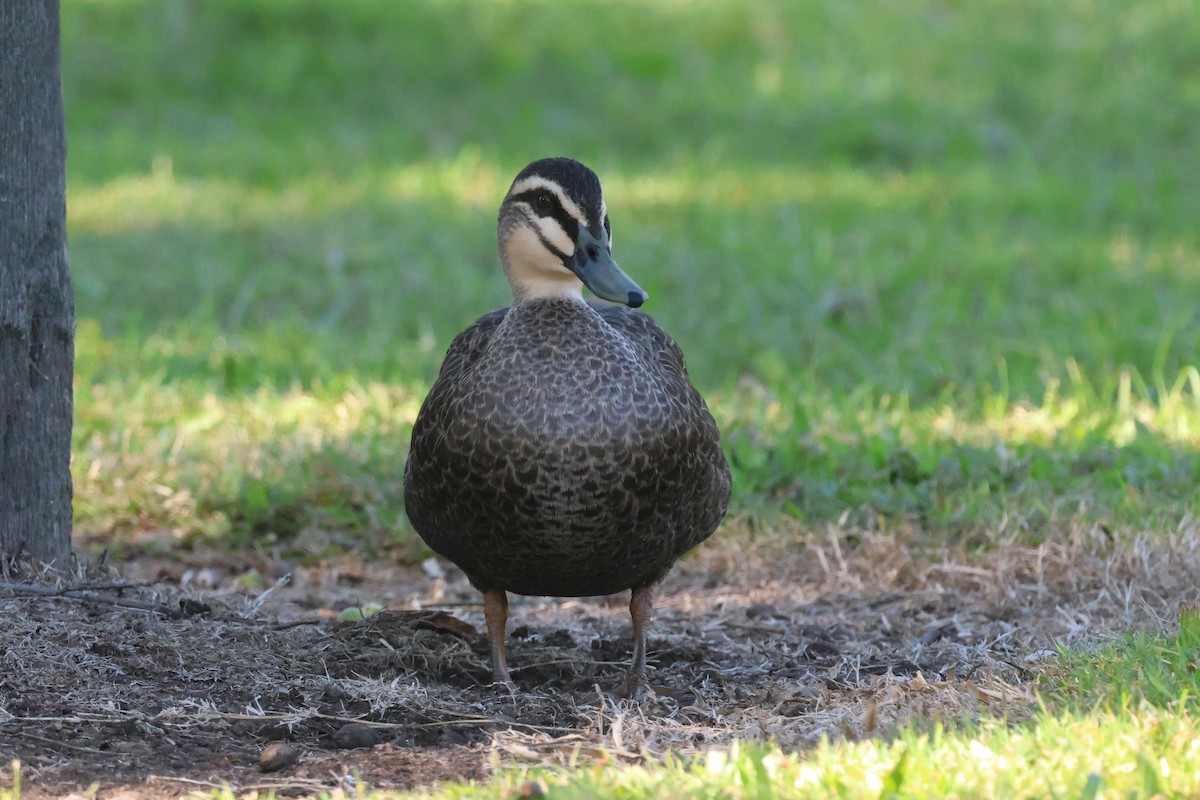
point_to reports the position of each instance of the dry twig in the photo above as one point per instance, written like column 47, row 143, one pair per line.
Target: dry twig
column 87, row 594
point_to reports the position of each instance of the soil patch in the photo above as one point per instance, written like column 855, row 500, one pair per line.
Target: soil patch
column 168, row 688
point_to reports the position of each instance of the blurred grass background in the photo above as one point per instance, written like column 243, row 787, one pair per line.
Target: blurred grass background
column 935, row 264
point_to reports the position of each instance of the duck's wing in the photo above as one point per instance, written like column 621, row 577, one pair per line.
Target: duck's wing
column 686, row 459
column 468, row 346
column 464, row 351
column 431, row 486
column 426, row 484
column 655, row 345
column 689, row 413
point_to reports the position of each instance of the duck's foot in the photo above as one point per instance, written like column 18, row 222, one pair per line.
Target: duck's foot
column 500, row 676
column 632, row 688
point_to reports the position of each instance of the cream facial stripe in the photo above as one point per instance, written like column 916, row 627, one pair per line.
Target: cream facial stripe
column 553, row 233
column 530, row 260
column 536, row 182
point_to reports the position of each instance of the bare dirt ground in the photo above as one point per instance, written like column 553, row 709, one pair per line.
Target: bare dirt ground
column 170, row 688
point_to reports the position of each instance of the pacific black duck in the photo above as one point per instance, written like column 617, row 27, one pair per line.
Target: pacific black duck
column 562, row 450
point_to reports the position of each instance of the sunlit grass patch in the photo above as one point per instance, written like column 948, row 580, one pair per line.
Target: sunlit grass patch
column 1091, row 755
column 1108, row 453
column 1162, row 671
column 198, row 449
column 467, row 180
column 269, row 438
column 163, row 198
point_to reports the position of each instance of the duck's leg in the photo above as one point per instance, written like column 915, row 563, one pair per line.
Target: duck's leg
column 641, row 606
column 495, row 612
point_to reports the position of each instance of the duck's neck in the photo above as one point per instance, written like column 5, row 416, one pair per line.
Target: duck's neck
column 541, row 281
column 546, row 289
column 533, row 271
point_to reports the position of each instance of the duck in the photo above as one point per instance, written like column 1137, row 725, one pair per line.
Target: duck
column 563, row 449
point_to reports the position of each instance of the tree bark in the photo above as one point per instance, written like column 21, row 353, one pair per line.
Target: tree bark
column 37, row 308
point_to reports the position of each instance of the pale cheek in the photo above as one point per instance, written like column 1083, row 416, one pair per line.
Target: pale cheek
column 555, row 235
column 526, row 250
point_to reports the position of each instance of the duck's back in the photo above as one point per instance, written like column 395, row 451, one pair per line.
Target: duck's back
column 563, row 451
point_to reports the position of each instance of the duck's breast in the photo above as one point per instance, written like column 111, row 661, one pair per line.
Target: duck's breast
column 567, row 464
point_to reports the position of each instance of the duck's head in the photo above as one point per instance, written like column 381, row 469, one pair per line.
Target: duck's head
column 555, row 238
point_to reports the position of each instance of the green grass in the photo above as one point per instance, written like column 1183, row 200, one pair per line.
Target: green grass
column 934, row 262
column 1138, row 755
column 1086, row 756
column 1141, row 668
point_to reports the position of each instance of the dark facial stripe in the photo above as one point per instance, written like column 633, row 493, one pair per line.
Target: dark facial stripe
column 568, row 222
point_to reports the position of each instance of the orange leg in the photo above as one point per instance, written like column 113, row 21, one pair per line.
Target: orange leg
column 641, row 606
column 495, row 612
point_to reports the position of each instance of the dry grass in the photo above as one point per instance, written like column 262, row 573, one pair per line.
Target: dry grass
column 847, row 633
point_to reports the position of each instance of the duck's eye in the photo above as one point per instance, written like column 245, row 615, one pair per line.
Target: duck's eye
column 543, row 201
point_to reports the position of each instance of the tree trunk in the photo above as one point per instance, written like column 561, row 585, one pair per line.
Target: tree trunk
column 37, row 308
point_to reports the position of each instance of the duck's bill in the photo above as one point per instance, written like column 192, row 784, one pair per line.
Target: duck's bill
column 595, row 267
